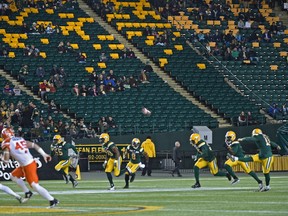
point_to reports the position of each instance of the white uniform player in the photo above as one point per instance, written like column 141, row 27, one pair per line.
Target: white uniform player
column 18, row 148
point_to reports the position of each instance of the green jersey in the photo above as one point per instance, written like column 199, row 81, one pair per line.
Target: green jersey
column 61, row 150
column 263, row 143
column 135, row 154
column 108, row 148
column 236, row 149
column 204, row 151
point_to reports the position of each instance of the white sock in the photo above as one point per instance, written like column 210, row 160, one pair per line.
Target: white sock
column 8, row 190
column 20, row 183
column 42, row 191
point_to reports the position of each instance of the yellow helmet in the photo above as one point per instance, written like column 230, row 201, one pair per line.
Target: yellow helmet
column 256, row 131
column 230, row 136
column 57, row 139
column 194, row 138
column 104, row 138
column 135, row 143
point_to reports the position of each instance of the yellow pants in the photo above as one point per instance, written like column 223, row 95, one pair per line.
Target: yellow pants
column 244, row 165
column 64, row 165
column 110, row 166
column 266, row 163
column 201, row 163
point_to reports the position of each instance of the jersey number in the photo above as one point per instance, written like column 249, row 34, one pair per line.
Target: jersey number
column 21, row 145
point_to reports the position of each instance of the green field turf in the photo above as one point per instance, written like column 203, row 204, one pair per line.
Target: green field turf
column 158, row 195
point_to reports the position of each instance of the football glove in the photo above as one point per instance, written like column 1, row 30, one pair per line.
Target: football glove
column 104, row 164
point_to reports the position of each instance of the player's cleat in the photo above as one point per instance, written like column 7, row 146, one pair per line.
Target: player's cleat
column 53, row 203
column 112, row 188
column 132, row 178
column 228, row 176
column 74, row 183
column 235, row 181
column 266, row 188
column 196, row 185
column 28, row 195
column 21, row 199
column 261, row 186
column 126, row 187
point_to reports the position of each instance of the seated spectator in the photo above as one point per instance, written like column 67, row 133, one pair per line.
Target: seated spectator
column 73, row 132
column 102, row 90
column 81, row 58
column 3, row 51
column 83, row 91
column 93, row 91
column 69, row 48
column 43, row 88
column 242, row 120
column 111, row 123
column 61, row 48
column 123, row 53
column 16, row 91
column 103, row 57
column 90, row 132
column 273, row 110
column 61, row 72
column 133, row 82
column 253, row 55
column 52, row 88
column 52, row 108
column 57, row 29
column 248, row 24
column 7, row 90
column 34, row 28
column 267, row 37
column 76, row 90
column 143, row 77
column 41, row 28
column 49, row 29
column 108, row 80
column 148, row 68
column 102, row 125
column 93, row 77
column 40, row 72
column 130, row 54
column 16, row 118
column 284, row 109
column 25, row 29
column 23, row 73
column 33, row 51
column 280, row 27
column 250, row 119
column 241, row 24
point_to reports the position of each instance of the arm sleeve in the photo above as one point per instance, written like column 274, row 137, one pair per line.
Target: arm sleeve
column 273, row 144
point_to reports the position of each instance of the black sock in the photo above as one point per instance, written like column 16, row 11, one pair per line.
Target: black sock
column 109, row 176
column 127, row 179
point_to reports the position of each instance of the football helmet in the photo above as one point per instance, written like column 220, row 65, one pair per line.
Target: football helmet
column 230, row 136
column 256, row 131
column 57, row 139
column 194, row 138
column 135, row 143
column 7, row 133
column 104, row 138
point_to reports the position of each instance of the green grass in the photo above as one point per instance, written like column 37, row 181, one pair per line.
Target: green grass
column 158, row 195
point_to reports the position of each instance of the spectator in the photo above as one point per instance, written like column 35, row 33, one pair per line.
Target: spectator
column 83, row 91
column 81, row 58
column 3, row 51
column 133, row 82
column 267, row 37
column 25, row 29
column 250, row 119
column 33, row 51
column 61, row 48
column 34, row 28
column 176, row 157
column 148, row 68
column 274, row 110
column 90, row 132
column 7, row 90
column 242, row 120
column 40, row 72
column 73, row 130
column 143, row 77
column 52, row 108
column 130, row 53
column 284, row 109
column 111, row 123
column 69, row 48
column 93, row 77
column 16, row 91
column 76, row 90
column 93, row 91
column 149, row 148
column 49, row 29
column 102, row 90
column 41, row 28
column 82, row 129
column 103, row 57
column 23, row 73
column 16, row 118
column 43, row 88
column 102, row 125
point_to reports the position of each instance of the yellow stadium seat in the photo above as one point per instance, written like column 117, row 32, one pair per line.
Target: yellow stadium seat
column 78, row 23
column 201, row 66
column 210, row 22
column 42, row 54
column 65, row 33
column 101, row 65
column 81, row 19
column 120, row 25
column 19, row 22
column 71, row 23
column 157, row 17
column 126, row 16
column 34, row 10
column 277, row 44
column 283, row 53
column 85, row 37
column 24, row 14
column 138, row 33
column 168, row 51
column 150, row 37
column 274, row 67
column 114, row 55
column 11, row 23
column 89, row 69
column 136, row 25
column 75, row 46
column 112, row 46
column 13, row 45
column 23, row 36
column 76, row 28
column 159, row 25
column 4, row 18
column 90, row 20
column 144, row 25
column 152, row 25
column 62, row 15
column 120, row 46
column 285, row 40
column 101, row 37
column 44, row 40
column 109, row 37
column 163, row 61
column 11, row 55
column 167, row 25
column 212, row 44
column 255, row 44
column 50, row 11
column 2, row 31
column 178, row 47
column 70, row 15
column 177, row 34
column 97, row 46
column 80, row 33
column 149, row 42
column 21, row 45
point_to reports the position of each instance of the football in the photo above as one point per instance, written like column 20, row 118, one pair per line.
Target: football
column 146, row 112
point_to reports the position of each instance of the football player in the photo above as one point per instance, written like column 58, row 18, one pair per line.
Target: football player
column 135, row 152
column 18, row 148
column 113, row 158
column 235, row 149
column 61, row 148
column 205, row 157
column 265, row 156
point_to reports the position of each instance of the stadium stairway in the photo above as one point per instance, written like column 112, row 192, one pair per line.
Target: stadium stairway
column 171, row 82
